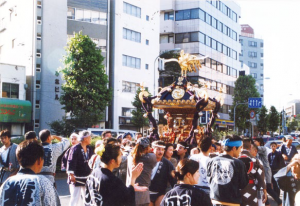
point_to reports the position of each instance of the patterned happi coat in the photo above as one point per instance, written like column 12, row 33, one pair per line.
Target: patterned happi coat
column 288, row 184
column 256, row 176
column 28, row 188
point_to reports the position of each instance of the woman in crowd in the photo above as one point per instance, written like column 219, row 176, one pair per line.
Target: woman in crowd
column 187, row 175
column 288, row 179
column 140, row 154
column 169, row 153
column 104, row 188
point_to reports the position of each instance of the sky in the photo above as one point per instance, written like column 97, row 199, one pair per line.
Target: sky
column 277, row 23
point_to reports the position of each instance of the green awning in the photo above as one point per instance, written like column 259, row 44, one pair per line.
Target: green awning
column 15, row 110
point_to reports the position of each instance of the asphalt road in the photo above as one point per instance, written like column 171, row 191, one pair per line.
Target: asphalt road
column 64, row 193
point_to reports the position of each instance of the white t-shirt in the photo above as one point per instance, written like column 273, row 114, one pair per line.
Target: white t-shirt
column 203, row 160
column 4, row 153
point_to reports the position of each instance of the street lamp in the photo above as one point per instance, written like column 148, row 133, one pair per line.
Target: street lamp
column 175, row 49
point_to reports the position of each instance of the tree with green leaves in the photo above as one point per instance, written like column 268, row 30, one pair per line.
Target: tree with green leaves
column 244, row 89
column 85, row 91
column 263, row 120
column 138, row 119
column 274, row 118
column 293, row 125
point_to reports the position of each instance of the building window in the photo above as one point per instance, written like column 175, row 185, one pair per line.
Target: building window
column 261, row 95
column 132, row 62
column 234, row 54
column 252, row 54
column 200, row 14
column 262, row 75
column 169, row 15
column 252, row 64
column 126, row 112
column 242, row 53
column 147, row 42
column 131, row 35
column 234, row 35
column 131, row 10
column 261, row 55
column 37, row 104
column 208, row 19
column 129, row 86
column 252, row 43
column 261, row 87
column 241, row 42
column 234, row 73
column 254, row 75
column 214, row 23
column 10, row 90
column 147, row 18
column 167, row 38
column 146, row 66
column 71, row 13
column 234, row 16
column 242, row 64
column 261, row 64
column 85, row 15
column 261, row 44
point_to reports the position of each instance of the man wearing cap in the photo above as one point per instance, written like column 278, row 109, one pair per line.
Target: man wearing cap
column 226, row 174
column 52, row 152
column 161, row 174
column 9, row 165
column 288, row 150
column 78, row 168
column 181, row 151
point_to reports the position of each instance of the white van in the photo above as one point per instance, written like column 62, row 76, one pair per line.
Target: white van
column 98, row 132
column 114, row 133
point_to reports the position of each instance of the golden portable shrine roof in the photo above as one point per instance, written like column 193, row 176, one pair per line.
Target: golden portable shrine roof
column 180, row 104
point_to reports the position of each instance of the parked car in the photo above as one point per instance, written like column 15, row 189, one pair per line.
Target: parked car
column 279, row 142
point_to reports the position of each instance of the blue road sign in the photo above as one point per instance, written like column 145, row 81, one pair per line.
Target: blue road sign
column 254, row 102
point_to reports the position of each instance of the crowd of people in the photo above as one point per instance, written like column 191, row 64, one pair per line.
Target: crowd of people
column 134, row 171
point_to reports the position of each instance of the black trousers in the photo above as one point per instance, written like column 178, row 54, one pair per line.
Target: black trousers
column 273, row 194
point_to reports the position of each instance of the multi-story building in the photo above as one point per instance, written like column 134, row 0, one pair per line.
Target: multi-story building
column 206, row 28
column 38, row 40
column 15, row 111
column 252, row 54
column 292, row 108
column 128, row 38
column 134, row 45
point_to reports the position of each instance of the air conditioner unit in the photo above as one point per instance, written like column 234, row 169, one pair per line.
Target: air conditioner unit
column 36, row 125
column 37, row 106
column 39, row 22
column 38, row 55
column 37, row 86
column 38, row 69
column 25, row 86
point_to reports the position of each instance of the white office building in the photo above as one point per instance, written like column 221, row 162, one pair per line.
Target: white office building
column 35, row 33
column 252, row 55
column 206, row 28
column 134, row 45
